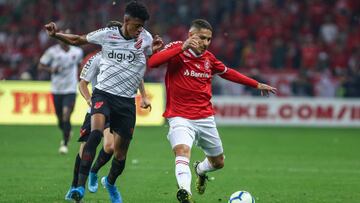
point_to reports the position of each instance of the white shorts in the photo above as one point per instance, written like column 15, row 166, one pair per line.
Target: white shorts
column 202, row 132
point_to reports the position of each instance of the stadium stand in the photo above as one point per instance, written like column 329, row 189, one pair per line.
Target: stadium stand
column 300, row 46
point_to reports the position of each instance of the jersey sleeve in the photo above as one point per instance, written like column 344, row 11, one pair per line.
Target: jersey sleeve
column 148, row 44
column 97, row 36
column 47, row 57
column 163, row 56
column 91, row 67
column 218, row 67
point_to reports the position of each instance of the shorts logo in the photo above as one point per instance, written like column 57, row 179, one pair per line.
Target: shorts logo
column 98, row 105
column 82, row 132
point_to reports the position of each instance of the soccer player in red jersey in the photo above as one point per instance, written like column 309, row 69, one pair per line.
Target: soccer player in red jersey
column 190, row 69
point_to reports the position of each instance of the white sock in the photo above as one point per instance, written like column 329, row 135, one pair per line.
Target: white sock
column 204, row 167
column 183, row 173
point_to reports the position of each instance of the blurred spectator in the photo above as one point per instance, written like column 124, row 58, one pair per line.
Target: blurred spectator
column 329, row 30
column 269, row 35
column 302, row 86
column 255, row 74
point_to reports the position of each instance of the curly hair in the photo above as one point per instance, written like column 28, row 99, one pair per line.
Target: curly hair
column 136, row 9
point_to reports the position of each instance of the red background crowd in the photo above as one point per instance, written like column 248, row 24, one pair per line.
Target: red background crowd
column 304, row 47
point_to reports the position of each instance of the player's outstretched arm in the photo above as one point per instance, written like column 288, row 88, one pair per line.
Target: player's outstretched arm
column 170, row 51
column 84, row 90
column 71, row 39
column 145, row 102
column 234, row 76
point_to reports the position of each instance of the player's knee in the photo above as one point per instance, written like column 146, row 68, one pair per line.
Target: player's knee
column 182, row 150
column 109, row 148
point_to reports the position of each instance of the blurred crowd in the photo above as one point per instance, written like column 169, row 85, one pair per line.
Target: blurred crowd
column 304, row 47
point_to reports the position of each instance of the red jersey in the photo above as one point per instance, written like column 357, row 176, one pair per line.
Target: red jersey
column 188, row 80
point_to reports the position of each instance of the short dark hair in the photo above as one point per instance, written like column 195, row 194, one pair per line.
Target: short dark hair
column 136, row 9
column 114, row 23
column 201, row 23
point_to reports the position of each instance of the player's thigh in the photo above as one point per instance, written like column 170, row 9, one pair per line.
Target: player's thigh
column 180, row 132
column 58, row 104
column 85, row 128
column 100, row 110
column 68, row 104
column 209, row 140
column 122, row 116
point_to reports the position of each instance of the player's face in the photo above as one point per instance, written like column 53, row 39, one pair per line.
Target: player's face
column 133, row 26
column 204, row 41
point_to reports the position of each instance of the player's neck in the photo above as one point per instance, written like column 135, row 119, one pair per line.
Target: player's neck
column 195, row 53
column 65, row 47
column 124, row 34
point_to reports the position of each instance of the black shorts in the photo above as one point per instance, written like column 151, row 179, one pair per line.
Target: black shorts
column 62, row 100
column 86, row 128
column 120, row 110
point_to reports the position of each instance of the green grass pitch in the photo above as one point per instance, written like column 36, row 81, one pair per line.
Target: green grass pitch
column 276, row 165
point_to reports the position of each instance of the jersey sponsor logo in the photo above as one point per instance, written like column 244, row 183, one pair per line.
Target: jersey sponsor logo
column 98, row 105
column 194, row 74
column 138, row 44
column 120, row 56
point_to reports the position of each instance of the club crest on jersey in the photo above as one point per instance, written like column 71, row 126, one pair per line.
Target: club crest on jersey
column 207, row 64
column 138, row 43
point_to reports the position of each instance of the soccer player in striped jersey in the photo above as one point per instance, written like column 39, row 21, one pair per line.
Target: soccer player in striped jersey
column 62, row 62
column 88, row 74
column 122, row 67
column 190, row 69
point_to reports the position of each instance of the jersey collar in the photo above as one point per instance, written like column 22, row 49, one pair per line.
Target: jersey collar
column 121, row 33
column 194, row 54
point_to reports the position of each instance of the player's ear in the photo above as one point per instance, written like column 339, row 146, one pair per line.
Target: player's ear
column 190, row 34
column 126, row 19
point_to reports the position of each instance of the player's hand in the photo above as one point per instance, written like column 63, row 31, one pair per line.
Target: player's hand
column 51, row 29
column 157, row 44
column 266, row 89
column 88, row 101
column 191, row 42
column 145, row 103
